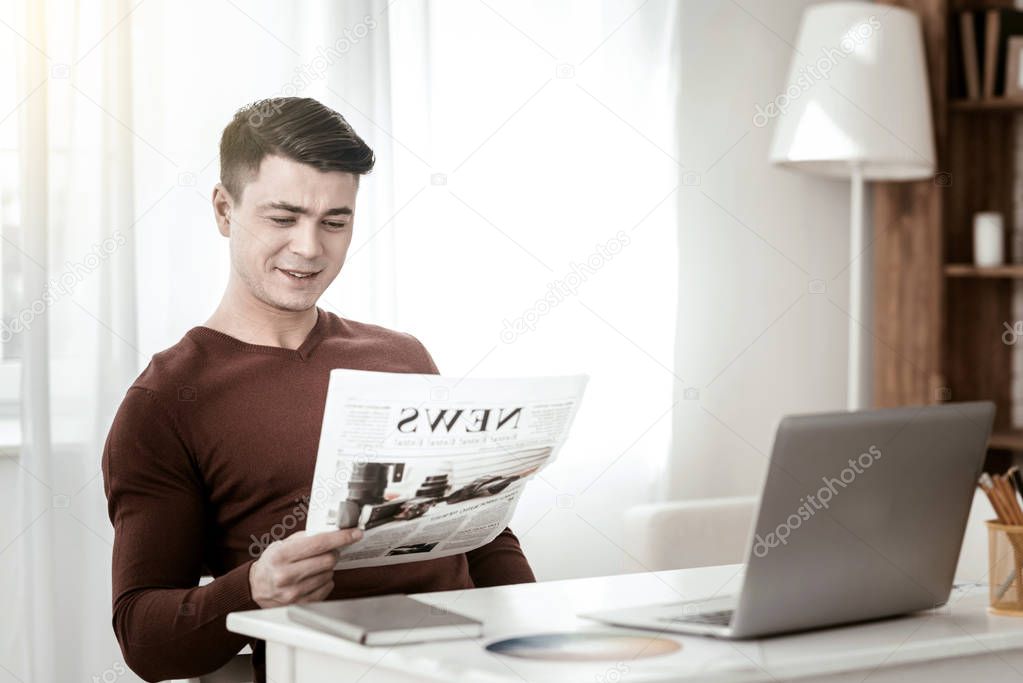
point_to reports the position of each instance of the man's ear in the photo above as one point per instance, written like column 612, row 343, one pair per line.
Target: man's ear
column 223, row 204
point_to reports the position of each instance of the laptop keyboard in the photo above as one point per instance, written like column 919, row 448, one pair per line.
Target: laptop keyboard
column 719, row 618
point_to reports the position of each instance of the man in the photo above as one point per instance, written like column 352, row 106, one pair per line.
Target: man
column 215, row 442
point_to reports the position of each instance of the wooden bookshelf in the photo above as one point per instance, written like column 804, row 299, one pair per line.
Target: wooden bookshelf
column 938, row 318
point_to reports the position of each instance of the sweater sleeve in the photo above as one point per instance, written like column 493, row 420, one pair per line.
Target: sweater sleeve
column 499, row 562
column 166, row 625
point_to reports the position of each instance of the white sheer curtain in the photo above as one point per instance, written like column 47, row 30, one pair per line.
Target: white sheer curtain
column 521, row 220
column 536, row 182
column 74, row 325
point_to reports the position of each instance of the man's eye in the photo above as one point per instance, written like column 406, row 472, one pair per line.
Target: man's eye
column 335, row 226
column 282, row 221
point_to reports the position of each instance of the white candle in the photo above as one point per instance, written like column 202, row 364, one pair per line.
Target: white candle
column 988, row 238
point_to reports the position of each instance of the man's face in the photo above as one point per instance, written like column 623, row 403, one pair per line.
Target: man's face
column 291, row 231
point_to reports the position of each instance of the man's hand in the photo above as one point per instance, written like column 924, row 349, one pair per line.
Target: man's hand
column 298, row 569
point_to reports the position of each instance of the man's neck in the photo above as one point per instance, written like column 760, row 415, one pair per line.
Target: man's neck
column 255, row 322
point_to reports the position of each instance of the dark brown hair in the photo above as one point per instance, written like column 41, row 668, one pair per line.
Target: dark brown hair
column 297, row 128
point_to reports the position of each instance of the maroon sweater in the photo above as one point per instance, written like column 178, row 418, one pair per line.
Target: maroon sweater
column 209, row 457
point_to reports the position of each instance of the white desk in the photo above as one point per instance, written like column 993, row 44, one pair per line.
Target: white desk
column 959, row 642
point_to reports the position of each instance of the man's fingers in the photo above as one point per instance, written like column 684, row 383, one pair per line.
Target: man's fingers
column 296, row 572
column 317, row 594
column 297, row 547
column 313, row 585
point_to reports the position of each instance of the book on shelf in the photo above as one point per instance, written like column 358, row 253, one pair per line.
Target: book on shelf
column 982, row 39
column 1001, row 24
column 968, row 32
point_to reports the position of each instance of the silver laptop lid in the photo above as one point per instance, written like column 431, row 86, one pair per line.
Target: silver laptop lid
column 862, row 515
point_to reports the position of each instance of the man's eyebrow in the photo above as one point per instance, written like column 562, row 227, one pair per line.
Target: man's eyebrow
column 285, row 206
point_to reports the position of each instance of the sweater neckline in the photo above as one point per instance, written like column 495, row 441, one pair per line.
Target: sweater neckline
column 301, row 353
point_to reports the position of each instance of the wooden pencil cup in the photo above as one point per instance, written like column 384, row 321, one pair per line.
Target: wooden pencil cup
column 1005, row 568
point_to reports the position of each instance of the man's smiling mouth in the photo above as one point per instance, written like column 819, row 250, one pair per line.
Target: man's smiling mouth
column 300, row 274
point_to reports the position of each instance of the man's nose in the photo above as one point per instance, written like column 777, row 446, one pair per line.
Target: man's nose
column 305, row 240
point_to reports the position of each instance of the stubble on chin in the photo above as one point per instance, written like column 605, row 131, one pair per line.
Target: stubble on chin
column 259, row 289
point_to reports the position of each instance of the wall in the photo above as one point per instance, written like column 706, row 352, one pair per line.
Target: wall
column 754, row 342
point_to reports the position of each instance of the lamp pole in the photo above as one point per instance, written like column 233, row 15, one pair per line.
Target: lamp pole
column 857, row 394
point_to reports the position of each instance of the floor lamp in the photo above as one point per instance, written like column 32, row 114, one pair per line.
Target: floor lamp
column 857, row 107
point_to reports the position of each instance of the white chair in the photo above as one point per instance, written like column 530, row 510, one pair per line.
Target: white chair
column 238, row 670
column 689, row 533
column 699, row 533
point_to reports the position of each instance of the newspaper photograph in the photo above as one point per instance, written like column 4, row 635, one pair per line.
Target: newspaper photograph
column 430, row 466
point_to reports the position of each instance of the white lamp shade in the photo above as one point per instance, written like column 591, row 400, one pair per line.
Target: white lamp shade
column 857, row 95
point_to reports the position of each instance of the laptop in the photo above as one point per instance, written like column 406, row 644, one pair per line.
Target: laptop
column 861, row 517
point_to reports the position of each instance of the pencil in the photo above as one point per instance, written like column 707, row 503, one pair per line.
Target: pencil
column 987, row 486
column 1011, row 503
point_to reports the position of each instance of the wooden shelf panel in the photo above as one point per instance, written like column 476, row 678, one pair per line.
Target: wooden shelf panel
column 1009, row 270
column 1008, row 439
column 992, row 104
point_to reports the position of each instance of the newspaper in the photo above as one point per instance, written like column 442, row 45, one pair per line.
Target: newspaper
column 430, row 466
